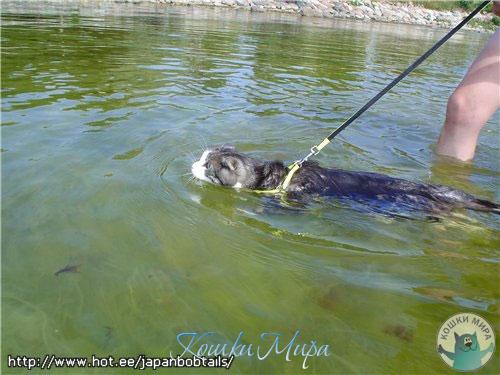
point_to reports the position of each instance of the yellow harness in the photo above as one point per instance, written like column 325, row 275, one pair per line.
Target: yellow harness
column 292, row 168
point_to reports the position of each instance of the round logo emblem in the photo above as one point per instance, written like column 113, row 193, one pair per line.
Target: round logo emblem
column 466, row 341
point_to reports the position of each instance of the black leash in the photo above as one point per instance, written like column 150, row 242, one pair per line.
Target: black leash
column 316, row 149
column 408, row 70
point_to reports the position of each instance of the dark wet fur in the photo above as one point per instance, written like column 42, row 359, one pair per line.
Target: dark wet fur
column 227, row 166
column 313, row 179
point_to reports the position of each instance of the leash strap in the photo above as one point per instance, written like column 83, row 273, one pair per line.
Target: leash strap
column 294, row 167
column 408, row 70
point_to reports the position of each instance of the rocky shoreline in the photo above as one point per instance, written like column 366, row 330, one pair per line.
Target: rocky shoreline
column 365, row 10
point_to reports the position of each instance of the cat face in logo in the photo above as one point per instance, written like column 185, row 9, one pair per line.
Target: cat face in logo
column 466, row 342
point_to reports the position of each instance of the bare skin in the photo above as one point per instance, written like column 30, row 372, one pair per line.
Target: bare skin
column 473, row 103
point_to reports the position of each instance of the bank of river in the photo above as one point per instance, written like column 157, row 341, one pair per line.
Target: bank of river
column 404, row 12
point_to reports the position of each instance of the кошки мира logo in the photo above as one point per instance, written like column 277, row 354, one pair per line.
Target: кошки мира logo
column 466, row 341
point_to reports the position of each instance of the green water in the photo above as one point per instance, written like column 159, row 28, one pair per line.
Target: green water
column 104, row 111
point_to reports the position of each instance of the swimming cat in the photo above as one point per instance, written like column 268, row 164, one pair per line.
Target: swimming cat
column 467, row 355
column 227, row 167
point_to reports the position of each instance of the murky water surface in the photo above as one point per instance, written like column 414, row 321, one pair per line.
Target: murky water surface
column 103, row 112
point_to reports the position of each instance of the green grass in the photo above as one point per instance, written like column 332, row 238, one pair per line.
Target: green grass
column 487, row 25
column 464, row 5
column 451, row 5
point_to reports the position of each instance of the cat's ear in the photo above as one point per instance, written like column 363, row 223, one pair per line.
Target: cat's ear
column 475, row 334
column 230, row 163
column 228, row 147
column 456, row 336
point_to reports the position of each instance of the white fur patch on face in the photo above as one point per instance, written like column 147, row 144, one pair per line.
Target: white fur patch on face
column 237, row 185
column 198, row 169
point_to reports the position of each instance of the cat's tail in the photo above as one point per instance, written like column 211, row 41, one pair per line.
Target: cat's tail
column 460, row 198
column 483, row 205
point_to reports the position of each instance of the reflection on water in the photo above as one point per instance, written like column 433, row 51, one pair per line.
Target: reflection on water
column 103, row 113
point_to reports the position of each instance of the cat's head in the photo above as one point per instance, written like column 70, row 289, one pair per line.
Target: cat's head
column 227, row 167
column 466, row 342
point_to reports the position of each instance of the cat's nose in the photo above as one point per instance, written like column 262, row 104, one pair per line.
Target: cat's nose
column 468, row 343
